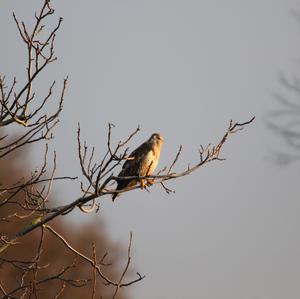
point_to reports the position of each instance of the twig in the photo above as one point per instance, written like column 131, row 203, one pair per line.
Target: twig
column 107, row 280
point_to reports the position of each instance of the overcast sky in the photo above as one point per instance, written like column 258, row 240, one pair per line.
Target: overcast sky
column 183, row 69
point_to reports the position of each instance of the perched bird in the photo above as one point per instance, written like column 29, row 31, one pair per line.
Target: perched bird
column 141, row 162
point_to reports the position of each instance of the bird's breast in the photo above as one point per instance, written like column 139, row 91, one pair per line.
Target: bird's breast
column 149, row 164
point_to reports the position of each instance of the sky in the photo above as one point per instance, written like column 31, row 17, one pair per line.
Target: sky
column 183, row 69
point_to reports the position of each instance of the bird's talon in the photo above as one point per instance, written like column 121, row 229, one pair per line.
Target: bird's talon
column 150, row 182
column 143, row 185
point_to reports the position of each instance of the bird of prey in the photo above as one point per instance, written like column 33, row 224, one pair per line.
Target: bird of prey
column 141, row 162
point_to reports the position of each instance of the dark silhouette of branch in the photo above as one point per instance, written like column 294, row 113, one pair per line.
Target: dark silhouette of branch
column 96, row 266
column 284, row 121
column 24, row 203
column 100, row 188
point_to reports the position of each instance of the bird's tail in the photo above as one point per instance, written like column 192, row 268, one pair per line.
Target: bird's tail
column 114, row 196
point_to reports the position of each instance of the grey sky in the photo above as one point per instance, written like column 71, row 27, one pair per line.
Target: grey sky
column 184, row 69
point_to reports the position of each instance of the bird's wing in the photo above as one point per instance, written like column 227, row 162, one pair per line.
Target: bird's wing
column 137, row 155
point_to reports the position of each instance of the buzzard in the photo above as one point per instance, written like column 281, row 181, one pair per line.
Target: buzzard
column 141, row 162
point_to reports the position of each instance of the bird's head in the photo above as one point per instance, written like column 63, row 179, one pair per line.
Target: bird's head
column 156, row 139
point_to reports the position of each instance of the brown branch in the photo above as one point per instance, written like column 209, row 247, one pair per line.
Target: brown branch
column 212, row 154
column 175, row 160
column 120, row 284
column 94, row 271
column 121, row 144
column 60, row 291
column 107, row 280
column 58, row 276
column 2, row 289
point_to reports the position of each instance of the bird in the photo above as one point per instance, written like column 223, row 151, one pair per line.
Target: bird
column 141, row 162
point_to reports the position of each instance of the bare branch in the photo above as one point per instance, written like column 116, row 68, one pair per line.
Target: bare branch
column 107, row 280
column 120, row 284
column 25, row 201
